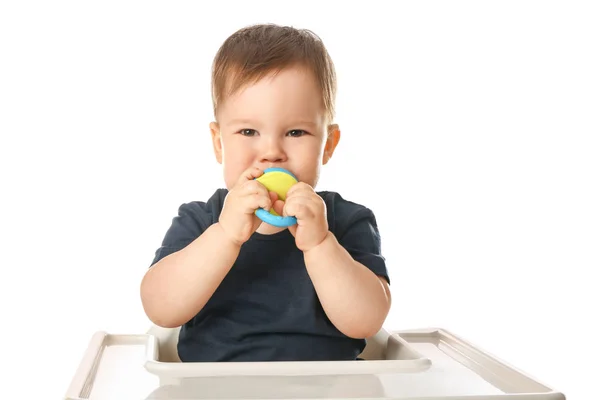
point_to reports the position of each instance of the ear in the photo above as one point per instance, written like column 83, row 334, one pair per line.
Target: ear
column 333, row 138
column 215, row 132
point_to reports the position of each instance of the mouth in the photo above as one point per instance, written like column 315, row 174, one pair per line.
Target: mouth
column 280, row 169
column 275, row 166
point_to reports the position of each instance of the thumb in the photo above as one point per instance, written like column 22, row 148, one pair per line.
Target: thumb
column 293, row 229
column 249, row 174
column 278, row 206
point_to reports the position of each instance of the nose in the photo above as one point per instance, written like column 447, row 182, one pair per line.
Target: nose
column 272, row 151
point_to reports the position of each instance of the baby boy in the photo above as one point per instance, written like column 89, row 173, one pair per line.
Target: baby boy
column 244, row 290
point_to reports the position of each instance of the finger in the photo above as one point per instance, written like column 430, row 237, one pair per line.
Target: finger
column 293, row 229
column 253, row 187
column 263, row 202
column 278, row 206
column 309, row 196
column 255, row 201
column 274, row 197
column 299, row 188
column 299, row 207
column 276, row 203
column 301, row 198
column 249, row 174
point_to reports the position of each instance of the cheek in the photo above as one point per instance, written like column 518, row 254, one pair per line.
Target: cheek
column 235, row 152
column 232, row 170
column 236, row 159
column 308, row 163
column 308, row 151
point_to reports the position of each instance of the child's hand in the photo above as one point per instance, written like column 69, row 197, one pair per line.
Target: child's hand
column 309, row 209
column 237, row 218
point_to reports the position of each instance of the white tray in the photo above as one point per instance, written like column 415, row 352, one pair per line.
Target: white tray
column 429, row 364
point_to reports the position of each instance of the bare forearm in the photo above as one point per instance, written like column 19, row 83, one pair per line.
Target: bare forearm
column 177, row 287
column 353, row 297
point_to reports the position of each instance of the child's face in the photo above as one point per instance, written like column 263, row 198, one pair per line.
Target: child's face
column 277, row 122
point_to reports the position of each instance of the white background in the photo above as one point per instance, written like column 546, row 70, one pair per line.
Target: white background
column 470, row 128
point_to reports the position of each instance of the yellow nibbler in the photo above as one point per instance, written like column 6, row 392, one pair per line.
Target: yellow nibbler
column 278, row 180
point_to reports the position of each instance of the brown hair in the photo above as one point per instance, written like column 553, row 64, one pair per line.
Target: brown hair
column 255, row 51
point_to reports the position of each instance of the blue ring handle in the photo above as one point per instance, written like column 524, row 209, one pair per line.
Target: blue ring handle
column 275, row 220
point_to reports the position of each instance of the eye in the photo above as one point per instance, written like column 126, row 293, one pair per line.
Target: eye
column 247, row 132
column 297, row 133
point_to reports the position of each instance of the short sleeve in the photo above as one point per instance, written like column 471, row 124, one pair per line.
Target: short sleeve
column 190, row 222
column 362, row 240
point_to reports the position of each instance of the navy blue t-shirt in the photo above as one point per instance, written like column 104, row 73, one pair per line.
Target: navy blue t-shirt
column 266, row 308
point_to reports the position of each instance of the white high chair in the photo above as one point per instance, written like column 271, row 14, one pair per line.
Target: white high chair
column 428, row 364
column 382, row 353
column 377, row 346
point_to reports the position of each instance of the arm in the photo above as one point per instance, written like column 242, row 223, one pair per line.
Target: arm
column 177, row 287
column 355, row 299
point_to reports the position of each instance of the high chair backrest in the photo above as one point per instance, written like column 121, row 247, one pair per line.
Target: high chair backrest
column 168, row 337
